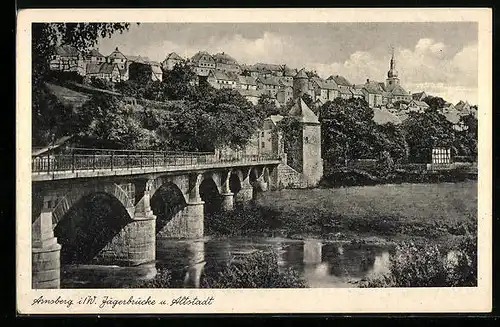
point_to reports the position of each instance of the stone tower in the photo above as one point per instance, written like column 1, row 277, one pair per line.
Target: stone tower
column 304, row 155
column 392, row 75
column 300, row 84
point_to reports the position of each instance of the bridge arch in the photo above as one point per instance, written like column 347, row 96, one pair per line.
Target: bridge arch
column 90, row 226
column 67, row 202
column 235, row 180
column 166, row 201
column 210, row 193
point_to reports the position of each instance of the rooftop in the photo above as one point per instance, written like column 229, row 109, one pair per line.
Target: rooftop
column 303, row 113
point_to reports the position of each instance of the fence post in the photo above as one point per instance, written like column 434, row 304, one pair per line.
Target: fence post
column 73, row 161
column 153, row 159
column 93, row 160
column 112, row 160
column 141, row 159
column 127, row 160
column 48, row 163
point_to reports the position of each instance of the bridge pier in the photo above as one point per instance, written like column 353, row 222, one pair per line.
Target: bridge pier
column 46, row 252
column 227, row 203
column 245, row 194
column 135, row 244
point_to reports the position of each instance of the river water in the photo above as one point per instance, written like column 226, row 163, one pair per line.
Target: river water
column 322, row 263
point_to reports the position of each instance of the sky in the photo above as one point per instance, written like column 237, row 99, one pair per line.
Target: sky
column 438, row 58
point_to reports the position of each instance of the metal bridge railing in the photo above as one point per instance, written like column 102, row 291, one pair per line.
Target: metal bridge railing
column 92, row 160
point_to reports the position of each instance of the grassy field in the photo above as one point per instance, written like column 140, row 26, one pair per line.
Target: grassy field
column 438, row 211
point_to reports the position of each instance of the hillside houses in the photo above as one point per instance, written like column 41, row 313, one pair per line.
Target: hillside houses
column 277, row 81
column 171, row 60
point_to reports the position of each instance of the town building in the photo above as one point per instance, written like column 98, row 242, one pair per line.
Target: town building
column 340, row 81
column 95, row 57
column 106, row 71
column 251, row 95
column 416, row 105
column 67, row 58
column 202, row 63
column 462, row 107
column 141, row 70
column 270, row 85
column 419, row 96
column 247, row 82
column 171, row 60
column 373, row 94
column 324, row 90
column 221, row 80
column 226, row 63
column 285, row 92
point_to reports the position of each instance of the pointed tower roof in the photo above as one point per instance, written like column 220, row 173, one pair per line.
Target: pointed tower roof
column 303, row 113
column 301, row 74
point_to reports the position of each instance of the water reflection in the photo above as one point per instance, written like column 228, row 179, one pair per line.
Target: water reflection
column 322, row 264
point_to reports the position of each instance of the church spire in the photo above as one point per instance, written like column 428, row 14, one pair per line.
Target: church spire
column 392, row 69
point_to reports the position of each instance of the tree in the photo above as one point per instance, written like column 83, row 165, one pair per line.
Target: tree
column 45, row 38
column 435, row 103
column 266, row 106
column 347, row 130
column 109, row 123
column 424, row 131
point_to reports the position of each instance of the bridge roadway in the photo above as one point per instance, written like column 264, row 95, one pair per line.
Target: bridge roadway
column 62, row 183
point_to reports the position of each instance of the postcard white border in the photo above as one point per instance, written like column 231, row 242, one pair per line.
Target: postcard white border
column 390, row 300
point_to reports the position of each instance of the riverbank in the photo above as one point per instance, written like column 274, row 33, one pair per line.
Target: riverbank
column 343, row 177
column 440, row 212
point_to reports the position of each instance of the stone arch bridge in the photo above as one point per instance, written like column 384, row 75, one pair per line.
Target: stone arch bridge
column 145, row 194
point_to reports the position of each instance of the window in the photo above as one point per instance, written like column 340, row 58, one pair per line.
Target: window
column 262, row 134
column 263, row 144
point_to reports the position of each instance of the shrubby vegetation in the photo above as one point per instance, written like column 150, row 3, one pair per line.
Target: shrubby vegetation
column 426, row 265
column 163, row 279
column 257, row 270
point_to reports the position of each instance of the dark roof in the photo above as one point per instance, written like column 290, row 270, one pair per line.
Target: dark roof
column 224, row 58
column 220, row 75
column 322, row 84
column 340, row 80
column 398, row 90
column 93, row 68
column 303, row 113
column 356, row 91
column 200, row 55
column 262, row 66
column 284, row 82
column 418, row 95
column 247, row 80
column 420, row 103
column 95, row 53
column 301, row 74
column 290, row 72
column 67, row 50
column 117, row 54
column 372, row 88
column 174, row 56
column 107, row 68
column 268, row 80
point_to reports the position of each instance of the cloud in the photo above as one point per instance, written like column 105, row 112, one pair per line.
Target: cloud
column 429, row 64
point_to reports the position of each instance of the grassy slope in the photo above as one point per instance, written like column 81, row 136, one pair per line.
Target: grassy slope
column 408, row 209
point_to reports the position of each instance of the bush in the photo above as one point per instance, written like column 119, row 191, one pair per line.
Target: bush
column 256, row 270
column 426, row 266
column 162, row 279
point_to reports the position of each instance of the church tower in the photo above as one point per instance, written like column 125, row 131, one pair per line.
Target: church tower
column 304, row 154
column 392, row 75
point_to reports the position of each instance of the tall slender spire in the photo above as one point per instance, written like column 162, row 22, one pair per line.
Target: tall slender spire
column 392, row 69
